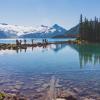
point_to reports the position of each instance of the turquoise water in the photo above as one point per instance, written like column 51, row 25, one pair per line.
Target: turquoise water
column 26, row 71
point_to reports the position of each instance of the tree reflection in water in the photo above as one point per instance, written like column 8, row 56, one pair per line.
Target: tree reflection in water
column 88, row 54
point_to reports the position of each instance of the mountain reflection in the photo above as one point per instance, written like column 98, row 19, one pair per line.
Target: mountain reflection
column 58, row 47
column 54, row 47
column 88, row 54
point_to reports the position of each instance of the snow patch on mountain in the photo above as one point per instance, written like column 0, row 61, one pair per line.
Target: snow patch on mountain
column 18, row 30
column 21, row 31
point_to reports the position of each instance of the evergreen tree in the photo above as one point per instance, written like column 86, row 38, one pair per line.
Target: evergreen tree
column 81, row 27
column 89, row 30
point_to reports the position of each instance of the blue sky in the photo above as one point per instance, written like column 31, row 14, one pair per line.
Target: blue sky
column 48, row 12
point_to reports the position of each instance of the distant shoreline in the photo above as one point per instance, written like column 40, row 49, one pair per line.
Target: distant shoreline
column 12, row 46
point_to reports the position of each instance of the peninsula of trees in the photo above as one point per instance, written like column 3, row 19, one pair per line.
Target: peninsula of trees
column 89, row 29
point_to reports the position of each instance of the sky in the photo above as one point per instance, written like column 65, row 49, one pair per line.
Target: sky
column 65, row 13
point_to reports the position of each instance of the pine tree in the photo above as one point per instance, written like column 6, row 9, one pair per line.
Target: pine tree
column 89, row 30
column 81, row 27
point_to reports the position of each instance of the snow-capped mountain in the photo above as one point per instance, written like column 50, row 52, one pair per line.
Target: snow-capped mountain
column 7, row 31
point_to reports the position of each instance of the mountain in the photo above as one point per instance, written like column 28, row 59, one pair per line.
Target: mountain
column 6, row 34
column 71, row 33
column 8, row 31
column 74, row 30
column 46, row 32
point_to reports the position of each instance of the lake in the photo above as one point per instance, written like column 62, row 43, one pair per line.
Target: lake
column 28, row 72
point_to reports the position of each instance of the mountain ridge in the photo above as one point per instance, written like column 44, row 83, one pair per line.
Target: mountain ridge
column 43, row 31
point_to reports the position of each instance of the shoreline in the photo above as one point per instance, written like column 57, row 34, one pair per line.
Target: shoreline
column 4, row 46
column 15, row 46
